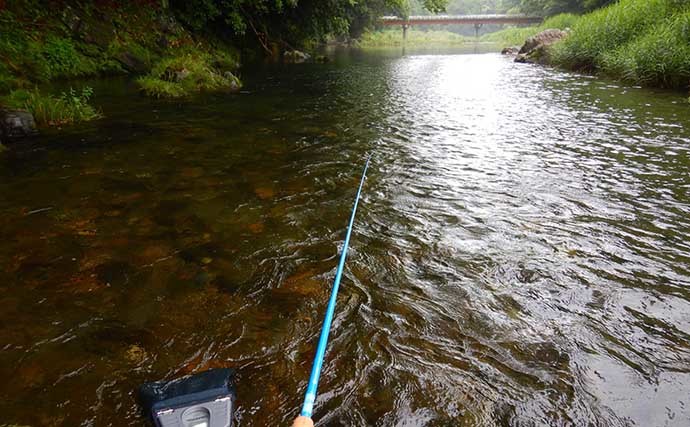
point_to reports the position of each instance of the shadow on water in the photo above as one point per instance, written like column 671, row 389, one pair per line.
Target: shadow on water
column 520, row 257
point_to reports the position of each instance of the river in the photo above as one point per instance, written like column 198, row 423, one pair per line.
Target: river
column 520, row 256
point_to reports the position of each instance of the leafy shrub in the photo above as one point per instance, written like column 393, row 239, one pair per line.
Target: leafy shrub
column 185, row 74
column 660, row 57
column 641, row 41
column 69, row 107
column 64, row 60
column 609, row 28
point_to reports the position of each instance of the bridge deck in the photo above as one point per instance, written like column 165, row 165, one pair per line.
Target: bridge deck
column 460, row 19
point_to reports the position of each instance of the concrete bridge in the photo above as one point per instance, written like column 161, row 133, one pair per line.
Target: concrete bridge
column 476, row 20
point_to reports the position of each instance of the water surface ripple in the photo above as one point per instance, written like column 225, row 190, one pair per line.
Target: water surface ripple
column 520, row 257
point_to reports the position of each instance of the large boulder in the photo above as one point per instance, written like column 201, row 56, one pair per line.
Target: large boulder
column 295, row 56
column 16, row 124
column 535, row 49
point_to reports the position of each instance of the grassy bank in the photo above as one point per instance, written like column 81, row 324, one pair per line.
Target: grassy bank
column 641, row 41
column 49, row 110
column 190, row 72
column 516, row 36
column 394, row 37
column 82, row 39
column 644, row 42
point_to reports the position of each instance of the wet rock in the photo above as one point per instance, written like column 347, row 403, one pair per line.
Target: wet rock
column 513, row 50
column 535, row 49
column 115, row 273
column 154, row 253
column 175, row 75
column 546, row 37
column 16, row 124
column 31, row 374
column 234, row 84
column 322, row 59
column 302, row 283
column 135, row 355
column 295, row 56
column 256, row 227
column 264, row 192
column 114, row 339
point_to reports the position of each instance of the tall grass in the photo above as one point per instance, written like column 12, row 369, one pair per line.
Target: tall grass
column 69, row 107
column 641, row 41
column 516, row 36
column 187, row 73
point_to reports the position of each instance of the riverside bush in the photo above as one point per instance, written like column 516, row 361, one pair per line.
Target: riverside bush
column 70, row 107
column 641, row 41
column 516, row 36
column 185, row 74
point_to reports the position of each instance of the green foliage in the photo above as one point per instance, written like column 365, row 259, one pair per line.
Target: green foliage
column 63, row 60
column 516, row 36
column 158, row 88
column 554, row 7
column 69, row 107
column 660, row 57
column 291, row 22
column 414, row 37
column 614, row 36
column 188, row 73
column 7, row 80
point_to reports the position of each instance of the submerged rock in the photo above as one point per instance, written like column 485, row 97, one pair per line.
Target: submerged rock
column 16, row 124
column 535, row 49
column 295, row 56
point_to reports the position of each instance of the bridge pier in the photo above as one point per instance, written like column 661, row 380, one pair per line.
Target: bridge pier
column 477, row 26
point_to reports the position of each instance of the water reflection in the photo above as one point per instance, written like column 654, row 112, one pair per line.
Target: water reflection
column 519, row 258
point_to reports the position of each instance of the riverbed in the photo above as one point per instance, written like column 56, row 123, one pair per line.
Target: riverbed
column 520, row 256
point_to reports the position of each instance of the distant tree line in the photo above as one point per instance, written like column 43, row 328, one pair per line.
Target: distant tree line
column 539, row 7
column 291, row 21
column 553, row 7
column 299, row 22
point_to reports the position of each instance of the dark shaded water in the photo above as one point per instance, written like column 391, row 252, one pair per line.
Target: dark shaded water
column 520, row 258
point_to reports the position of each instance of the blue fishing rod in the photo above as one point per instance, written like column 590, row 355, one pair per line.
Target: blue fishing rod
column 310, row 395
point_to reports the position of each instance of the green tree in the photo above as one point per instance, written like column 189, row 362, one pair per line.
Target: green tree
column 553, row 7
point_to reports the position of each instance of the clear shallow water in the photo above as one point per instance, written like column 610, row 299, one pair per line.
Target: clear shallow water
column 520, row 256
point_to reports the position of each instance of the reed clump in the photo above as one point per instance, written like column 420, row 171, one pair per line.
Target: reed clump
column 50, row 110
column 645, row 42
column 187, row 73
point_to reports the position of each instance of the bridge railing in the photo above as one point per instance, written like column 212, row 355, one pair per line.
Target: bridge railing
column 460, row 19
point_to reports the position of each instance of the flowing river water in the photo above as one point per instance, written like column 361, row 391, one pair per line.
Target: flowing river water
column 520, row 256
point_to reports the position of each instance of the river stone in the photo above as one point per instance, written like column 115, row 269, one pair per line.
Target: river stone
column 16, row 124
column 535, row 49
column 513, row 50
column 295, row 56
column 234, row 84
